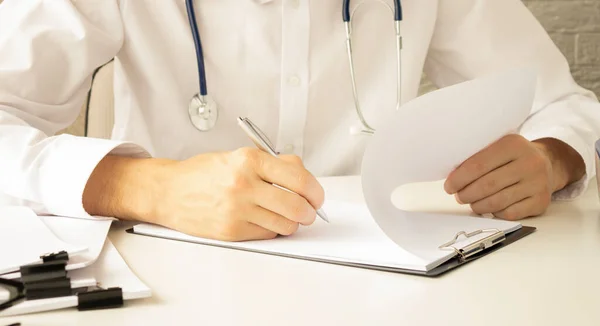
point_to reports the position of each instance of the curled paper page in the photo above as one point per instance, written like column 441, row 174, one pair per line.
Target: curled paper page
column 429, row 137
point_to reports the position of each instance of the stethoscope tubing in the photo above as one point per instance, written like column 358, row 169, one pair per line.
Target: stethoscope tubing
column 346, row 10
column 189, row 5
column 200, row 102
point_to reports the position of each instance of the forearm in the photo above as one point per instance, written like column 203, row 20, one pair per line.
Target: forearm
column 567, row 165
column 125, row 188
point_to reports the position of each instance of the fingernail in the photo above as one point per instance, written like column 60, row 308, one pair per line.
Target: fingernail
column 458, row 199
column 447, row 188
column 310, row 217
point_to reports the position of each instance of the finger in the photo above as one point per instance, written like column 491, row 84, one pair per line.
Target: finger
column 491, row 183
column 490, row 158
column 502, row 199
column 249, row 231
column 294, row 159
column 282, row 202
column 291, row 176
column 272, row 221
column 531, row 206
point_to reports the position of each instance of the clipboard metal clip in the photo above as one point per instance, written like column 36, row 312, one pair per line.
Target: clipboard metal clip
column 496, row 236
column 55, row 256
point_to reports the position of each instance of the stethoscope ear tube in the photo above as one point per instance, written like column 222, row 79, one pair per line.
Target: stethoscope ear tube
column 189, row 5
column 346, row 10
column 398, row 11
column 346, row 16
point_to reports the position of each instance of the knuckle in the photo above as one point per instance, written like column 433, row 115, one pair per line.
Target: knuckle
column 289, row 227
column 535, row 162
column 519, row 138
column 303, row 180
column 544, row 199
column 238, row 184
column 244, row 152
column 513, row 140
column 477, row 167
column 298, row 209
column 478, row 209
column 495, row 203
column 490, row 185
column 511, row 214
column 296, row 159
column 248, row 157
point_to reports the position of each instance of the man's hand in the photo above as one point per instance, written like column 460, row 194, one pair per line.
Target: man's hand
column 515, row 178
column 225, row 196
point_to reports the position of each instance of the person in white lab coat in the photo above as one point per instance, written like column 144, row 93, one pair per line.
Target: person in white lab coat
column 282, row 63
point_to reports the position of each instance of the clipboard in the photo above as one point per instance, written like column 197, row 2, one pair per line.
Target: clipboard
column 496, row 240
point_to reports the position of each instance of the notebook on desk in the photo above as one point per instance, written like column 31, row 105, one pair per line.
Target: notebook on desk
column 423, row 141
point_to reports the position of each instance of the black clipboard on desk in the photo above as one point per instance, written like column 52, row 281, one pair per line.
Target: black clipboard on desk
column 459, row 260
column 354, row 239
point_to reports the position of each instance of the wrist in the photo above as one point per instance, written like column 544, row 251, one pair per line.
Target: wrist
column 125, row 188
column 567, row 164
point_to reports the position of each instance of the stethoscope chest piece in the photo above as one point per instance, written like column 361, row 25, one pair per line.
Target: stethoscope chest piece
column 203, row 112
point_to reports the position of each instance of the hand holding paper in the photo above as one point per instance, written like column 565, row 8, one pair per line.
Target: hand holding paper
column 427, row 139
column 512, row 179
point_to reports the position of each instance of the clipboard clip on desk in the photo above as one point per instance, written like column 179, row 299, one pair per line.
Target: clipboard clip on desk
column 54, row 256
column 495, row 237
column 49, row 279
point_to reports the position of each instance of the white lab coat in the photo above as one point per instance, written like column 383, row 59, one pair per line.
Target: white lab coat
column 281, row 63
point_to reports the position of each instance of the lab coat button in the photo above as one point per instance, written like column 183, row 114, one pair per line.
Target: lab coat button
column 289, row 148
column 294, row 80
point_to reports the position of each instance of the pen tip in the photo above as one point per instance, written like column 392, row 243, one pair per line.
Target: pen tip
column 323, row 215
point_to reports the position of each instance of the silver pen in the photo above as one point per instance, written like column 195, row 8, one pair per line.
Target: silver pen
column 262, row 142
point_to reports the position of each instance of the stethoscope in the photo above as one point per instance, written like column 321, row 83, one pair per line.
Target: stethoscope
column 204, row 112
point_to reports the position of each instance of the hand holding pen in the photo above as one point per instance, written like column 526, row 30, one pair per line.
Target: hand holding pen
column 228, row 196
column 225, row 196
column 262, row 142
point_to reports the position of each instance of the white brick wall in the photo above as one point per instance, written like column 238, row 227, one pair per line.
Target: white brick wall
column 574, row 25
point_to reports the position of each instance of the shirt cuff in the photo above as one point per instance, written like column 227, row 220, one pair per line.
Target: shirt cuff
column 65, row 173
column 575, row 189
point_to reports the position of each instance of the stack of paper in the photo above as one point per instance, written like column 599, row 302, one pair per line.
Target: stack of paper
column 93, row 263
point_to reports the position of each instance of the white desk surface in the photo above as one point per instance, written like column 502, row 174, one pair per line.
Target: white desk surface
column 551, row 277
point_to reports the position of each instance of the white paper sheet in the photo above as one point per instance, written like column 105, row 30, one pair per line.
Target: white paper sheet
column 110, row 270
column 430, row 136
column 90, row 233
column 24, row 237
column 351, row 237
